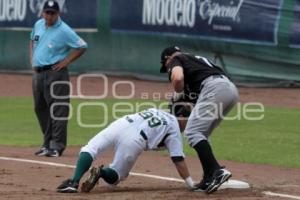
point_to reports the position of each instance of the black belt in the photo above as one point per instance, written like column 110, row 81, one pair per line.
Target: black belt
column 43, row 68
column 218, row 76
column 214, row 76
column 143, row 134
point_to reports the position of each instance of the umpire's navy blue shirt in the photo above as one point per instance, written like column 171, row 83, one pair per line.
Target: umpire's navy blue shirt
column 52, row 44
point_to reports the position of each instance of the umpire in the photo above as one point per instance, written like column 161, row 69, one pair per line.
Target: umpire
column 214, row 95
column 49, row 49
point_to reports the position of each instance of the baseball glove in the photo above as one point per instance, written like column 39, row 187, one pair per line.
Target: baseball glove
column 180, row 105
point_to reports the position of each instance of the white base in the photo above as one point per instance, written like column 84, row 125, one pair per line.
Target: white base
column 234, row 184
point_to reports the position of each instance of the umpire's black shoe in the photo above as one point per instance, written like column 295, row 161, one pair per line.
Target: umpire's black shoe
column 53, row 153
column 94, row 177
column 202, row 186
column 42, row 152
column 219, row 177
column 68, row 186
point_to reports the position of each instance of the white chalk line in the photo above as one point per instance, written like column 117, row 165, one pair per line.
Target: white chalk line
column 72, row 166
column 268, row 193
column 281, row 195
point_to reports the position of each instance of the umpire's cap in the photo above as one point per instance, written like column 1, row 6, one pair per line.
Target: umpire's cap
column 164, row 55
column 51, row 6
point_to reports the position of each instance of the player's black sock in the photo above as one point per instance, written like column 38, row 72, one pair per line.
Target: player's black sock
column 109, row 175
column 207, row 158
column 84, row 162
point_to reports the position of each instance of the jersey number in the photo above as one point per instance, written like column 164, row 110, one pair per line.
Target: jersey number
column 153, row 121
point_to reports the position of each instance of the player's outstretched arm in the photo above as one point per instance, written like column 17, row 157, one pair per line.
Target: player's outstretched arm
column 183, row 171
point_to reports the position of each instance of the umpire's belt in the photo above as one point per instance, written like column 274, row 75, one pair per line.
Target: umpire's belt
column 43, row 68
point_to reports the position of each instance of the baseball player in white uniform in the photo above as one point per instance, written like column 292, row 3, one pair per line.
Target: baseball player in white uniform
column 129, row 136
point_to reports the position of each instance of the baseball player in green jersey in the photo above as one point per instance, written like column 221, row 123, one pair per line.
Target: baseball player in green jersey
column 130, row 136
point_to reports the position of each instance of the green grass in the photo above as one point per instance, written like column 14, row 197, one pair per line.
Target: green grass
column 274, row 140
column 19, row 126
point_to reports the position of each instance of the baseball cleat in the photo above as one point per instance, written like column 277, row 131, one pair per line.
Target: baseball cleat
column 93, row 179
column 219, row 177
column 68, row 186
column 202, row 186
column 42, row 152
column 52, row 153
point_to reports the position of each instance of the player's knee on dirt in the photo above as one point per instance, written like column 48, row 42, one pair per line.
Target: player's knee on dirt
column 109, row 175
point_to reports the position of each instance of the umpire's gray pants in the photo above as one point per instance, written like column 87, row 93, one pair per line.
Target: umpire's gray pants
column 217, row 98
column 52, row 117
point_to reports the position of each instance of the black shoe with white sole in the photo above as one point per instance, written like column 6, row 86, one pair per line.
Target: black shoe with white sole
column 68, row 186
column 202, row 186
column 219, row 177
column 42, row 152
column 53, row 153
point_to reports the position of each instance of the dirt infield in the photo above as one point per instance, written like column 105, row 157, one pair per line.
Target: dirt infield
column 14, row 85
column 23, row 180
column 33, row 181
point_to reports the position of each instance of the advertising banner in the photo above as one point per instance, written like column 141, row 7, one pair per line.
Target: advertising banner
column 295, row 30
column 20, row 14
column 248, row 21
